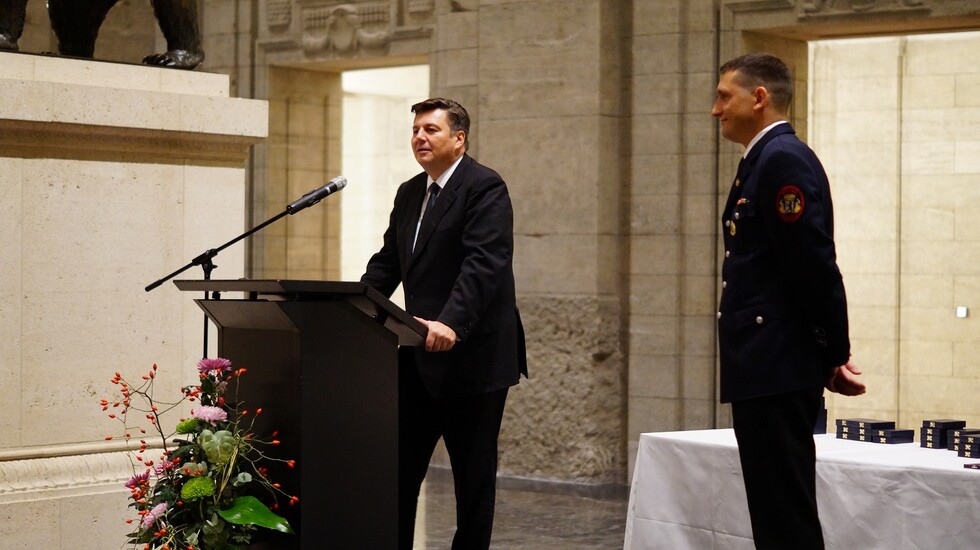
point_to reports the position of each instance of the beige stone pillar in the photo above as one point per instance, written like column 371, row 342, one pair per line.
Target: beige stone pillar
column 112, row 176
column 673, row 204
column 543, row 82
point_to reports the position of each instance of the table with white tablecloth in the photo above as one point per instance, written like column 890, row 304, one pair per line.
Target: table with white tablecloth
column 687, row 493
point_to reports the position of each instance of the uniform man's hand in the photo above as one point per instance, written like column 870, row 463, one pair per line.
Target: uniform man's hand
column 844, row 380
column 440, row 337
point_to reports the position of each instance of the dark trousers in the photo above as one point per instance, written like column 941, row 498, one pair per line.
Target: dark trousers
column 469, row 426
column 775, row 445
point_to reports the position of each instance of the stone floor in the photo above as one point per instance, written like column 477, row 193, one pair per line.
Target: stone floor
column 527, row 519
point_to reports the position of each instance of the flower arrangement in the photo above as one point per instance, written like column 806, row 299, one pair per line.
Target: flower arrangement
column 201, row 493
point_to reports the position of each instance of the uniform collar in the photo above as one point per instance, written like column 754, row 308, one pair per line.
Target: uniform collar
column 760, row 135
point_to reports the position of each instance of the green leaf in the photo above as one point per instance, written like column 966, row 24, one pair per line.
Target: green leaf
column 248, row 510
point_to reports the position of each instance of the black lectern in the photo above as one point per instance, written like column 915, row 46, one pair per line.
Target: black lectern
column 322, row 360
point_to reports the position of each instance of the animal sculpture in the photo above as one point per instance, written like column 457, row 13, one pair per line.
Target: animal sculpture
column 76, row 24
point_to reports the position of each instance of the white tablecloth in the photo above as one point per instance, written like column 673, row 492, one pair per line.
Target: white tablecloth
column 687, row 492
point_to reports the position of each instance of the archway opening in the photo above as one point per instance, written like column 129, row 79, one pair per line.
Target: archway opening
column 376, row 155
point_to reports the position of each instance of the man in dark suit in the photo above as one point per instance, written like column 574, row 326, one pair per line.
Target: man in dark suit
column 782, row 321
column 450, row 243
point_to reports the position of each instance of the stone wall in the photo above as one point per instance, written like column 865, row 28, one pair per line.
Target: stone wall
column 564, row 423
column 551, row 100
column 905, row 208
column 671, row 218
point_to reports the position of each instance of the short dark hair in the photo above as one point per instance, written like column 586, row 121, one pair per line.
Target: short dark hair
column 459, row 119
column 766, row 70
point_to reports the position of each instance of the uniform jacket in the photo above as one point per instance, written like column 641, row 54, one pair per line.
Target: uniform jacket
column 460, row 274
column 782, row 321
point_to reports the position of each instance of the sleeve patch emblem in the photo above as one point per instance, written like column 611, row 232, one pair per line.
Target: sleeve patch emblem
column 789, row 203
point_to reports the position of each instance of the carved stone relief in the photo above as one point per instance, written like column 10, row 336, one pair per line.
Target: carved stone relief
column 416, row 7
column 740, row 6
column 345, row 28
column 351, row 27
column 821, row 8
column 838, row 7
column 278, row 14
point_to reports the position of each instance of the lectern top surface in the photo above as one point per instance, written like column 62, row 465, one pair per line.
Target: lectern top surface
column 360, row 295
column 276, row 286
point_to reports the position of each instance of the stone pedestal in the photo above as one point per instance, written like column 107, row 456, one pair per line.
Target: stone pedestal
column 111, row 176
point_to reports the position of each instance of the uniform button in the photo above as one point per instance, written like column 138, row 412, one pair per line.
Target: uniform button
column 736, row 215
column 728, row 222
column 719, row 315
column 728, row 253
column 724, row 284
column 758, row 320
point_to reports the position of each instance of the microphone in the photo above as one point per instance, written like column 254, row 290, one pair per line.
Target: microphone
column 317, row 195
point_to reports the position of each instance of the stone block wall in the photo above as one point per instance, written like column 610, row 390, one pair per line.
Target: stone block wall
column 672, row 231
column 302, row 154
column 903, row 174
column 864, row 168
column 939, row 366
column 551, row 104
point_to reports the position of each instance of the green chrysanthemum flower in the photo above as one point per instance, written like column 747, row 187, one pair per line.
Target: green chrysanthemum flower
column 197, row 487
column 218, row 445
column 188, row 426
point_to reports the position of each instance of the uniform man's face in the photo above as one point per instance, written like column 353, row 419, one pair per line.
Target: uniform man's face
column 435, row 145
column 735, row 108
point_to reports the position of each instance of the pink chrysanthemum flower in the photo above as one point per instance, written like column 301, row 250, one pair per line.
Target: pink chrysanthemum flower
column 163, row 467
column 137, row 480
column 218, row 363
column 210, row 414
column 154, row 515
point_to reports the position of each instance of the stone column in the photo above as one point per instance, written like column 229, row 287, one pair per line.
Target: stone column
column 543, row 81
column 672, row 218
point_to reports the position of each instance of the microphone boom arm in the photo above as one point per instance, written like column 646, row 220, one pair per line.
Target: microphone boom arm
column 307, row 200
column 204, row 260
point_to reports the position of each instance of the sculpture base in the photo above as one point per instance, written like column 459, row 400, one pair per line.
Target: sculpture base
column 112, row 176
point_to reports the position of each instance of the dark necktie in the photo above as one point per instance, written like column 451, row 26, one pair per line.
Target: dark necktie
column 433, row 195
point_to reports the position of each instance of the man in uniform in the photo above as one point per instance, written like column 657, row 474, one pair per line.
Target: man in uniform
column 782, row 321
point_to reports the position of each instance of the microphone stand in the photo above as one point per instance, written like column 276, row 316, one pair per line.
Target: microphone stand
column 204, row 260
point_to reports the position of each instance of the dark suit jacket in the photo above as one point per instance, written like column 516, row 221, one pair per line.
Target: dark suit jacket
column 461, row 274
column 782, row 322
